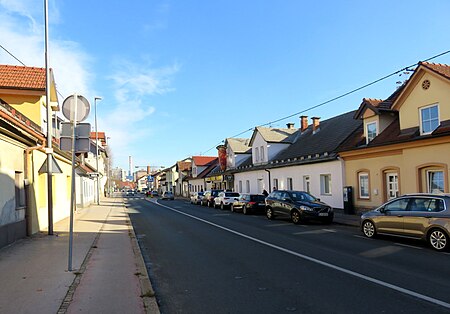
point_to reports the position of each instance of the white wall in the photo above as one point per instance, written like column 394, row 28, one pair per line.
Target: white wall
column 253, row 177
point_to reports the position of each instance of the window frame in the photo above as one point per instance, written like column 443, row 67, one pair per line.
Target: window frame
column 360, row 195
column 368, row 139
column 256, row 154
column 427, row 173
column 325, row 182
column 421, row 121
column 289, row 184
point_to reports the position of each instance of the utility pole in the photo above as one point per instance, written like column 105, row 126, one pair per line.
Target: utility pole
column 49, row 149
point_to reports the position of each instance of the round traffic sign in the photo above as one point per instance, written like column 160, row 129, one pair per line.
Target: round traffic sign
column 78, row 111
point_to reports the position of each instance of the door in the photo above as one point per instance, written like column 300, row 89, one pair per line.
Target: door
column 391, row 185
column 391, row 219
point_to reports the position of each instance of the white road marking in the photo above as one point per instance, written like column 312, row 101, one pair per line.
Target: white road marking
column 320, row 262
column 318, row 231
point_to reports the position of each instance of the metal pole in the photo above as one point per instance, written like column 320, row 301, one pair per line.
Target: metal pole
column 96, row 149
column 49, row 149
column 72, row 190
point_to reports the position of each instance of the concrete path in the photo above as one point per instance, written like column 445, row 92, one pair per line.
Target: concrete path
column 108, row 275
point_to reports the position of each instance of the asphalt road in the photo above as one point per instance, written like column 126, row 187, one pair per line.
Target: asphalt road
column 204, row 260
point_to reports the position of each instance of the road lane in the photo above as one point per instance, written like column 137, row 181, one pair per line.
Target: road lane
column 219, row 256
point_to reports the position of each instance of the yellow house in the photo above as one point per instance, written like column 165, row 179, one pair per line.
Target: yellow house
column 24, row 89
column 23, row 193
column 403, row 145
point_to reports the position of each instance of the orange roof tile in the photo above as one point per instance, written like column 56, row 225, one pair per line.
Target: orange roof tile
column 442, row 69
column 22, row 77
column 202, row 160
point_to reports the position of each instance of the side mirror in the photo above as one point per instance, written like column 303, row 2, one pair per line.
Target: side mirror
column 382, row 210
column 318, row 199
column 287, row 199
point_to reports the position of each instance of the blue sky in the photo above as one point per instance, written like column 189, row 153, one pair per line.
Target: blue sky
column 178, row 77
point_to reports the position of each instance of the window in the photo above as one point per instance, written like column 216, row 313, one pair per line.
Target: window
column 247, row 186
column 256, row 154
column 275, row 184
column 261, row 150
column 429, row 119
column 371, row 131
column 397, row 205
column 240, row 186
column 19, row 190
column 363, row 180
column 306, row 184
column 289, row 184
column 325, row 184
column 435, row 181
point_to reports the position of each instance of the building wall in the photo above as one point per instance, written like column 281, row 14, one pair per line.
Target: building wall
column 29, row 105
column 439, row 92
column 12, row 218
column 406, row 161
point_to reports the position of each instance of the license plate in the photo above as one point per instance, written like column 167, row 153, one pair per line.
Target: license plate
column 323, row 214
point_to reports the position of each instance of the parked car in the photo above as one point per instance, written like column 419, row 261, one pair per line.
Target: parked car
column 208, row 197
column 299, row 206
column 154, row 194
column 196, row 197
column 420, row 216
column 130, row 193
column 167, row 196
column 225, row 199
column 249, row 203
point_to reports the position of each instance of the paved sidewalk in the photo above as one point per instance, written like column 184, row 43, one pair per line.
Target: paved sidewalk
column 109, row 274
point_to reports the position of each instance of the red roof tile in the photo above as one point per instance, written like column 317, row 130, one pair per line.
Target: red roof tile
column 22, row 77
column 442, row 69
column 202, row 160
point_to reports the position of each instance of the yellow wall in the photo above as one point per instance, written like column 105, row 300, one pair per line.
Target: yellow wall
column 28, row 105
column 407, row 161
column 417, row 97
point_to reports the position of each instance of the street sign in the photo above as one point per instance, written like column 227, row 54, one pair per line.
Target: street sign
column 149, row 178
column 76, row 108
column 82, row 137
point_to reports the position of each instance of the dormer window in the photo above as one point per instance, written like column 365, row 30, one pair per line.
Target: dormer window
column 256, row 154
column 371, row 131
column 429, row 119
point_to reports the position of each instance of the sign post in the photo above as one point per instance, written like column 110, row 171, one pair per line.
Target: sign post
column 76, row 109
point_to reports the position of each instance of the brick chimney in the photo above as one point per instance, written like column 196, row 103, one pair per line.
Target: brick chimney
column 149, row 169
column 290, row 125
column 316, row 121
column 303, row 123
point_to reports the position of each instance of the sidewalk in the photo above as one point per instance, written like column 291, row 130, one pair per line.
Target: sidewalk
column 346, row 219
column 109, row 274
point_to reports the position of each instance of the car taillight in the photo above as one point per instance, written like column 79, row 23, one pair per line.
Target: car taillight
column 252, row 203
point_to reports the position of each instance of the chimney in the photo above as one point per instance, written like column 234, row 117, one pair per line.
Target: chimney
column 315, row 124
column 303, row 123
column 149, row 169
column 290, row 125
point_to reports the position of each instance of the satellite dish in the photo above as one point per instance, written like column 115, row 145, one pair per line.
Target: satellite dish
column 78, row 111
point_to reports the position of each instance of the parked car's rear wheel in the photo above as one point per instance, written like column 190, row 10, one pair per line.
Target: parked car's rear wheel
column 245, row 210
column 438, row 239
column 369, row 229
column 269, row 213
column 295, row 216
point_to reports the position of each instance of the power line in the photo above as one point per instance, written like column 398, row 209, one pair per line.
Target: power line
column 338, row 97
column 12, row 55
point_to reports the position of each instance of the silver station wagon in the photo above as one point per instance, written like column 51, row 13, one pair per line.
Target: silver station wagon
column 421, row 216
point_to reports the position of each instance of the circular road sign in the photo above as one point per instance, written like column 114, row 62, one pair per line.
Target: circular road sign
column 76, row 112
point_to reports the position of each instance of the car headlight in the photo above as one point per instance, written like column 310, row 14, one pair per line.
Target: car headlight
column 306, row 208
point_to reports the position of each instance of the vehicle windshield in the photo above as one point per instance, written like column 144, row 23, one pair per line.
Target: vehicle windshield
column 200, row 193
column 232, row 194
column 302, row 196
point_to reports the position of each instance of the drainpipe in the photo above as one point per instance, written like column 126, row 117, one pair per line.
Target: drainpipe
column 270, row 188
column 27, row 183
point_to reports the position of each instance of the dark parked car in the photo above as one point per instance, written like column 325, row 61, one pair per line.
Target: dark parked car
column 196, row 197
column 208, row 197
column 420, row 216
column 249, row 203
column 299, row 206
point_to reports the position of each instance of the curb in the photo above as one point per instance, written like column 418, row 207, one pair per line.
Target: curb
column 147, row 292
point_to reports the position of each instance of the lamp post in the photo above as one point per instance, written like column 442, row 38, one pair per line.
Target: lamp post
column 96, row 148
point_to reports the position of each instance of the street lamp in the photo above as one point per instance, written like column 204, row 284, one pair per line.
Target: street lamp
column 96, row 148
